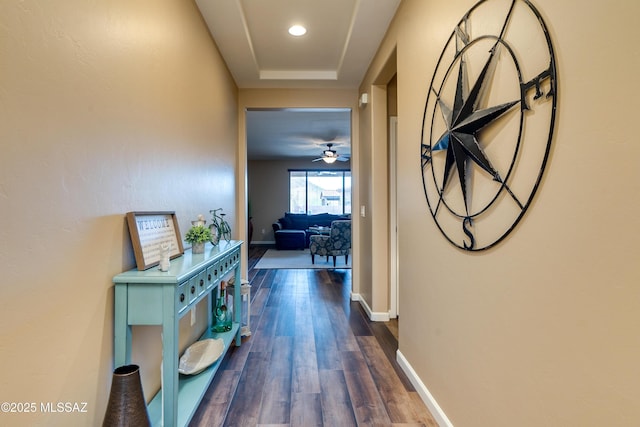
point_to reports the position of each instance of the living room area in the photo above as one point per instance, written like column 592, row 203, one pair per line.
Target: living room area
column 295, row 192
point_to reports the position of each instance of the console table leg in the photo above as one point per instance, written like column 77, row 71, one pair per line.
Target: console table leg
column 121, row 328
column 169, row 358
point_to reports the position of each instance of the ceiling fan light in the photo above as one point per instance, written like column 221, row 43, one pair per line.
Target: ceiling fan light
column 329, row 159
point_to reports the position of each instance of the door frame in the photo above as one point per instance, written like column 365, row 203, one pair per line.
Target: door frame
column 393, row 219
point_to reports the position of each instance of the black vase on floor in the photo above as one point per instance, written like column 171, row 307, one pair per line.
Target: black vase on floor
column 126, row 405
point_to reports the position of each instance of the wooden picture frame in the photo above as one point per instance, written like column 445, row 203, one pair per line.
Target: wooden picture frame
column 148, row 231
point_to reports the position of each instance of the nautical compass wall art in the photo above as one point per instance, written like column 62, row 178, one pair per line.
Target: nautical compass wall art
column 488, row 122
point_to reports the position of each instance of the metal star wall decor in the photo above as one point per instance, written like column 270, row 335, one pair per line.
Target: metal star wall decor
column 488, row 122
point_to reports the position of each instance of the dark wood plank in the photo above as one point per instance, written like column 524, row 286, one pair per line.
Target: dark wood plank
column 327, row 347
column 419, row 408
column 396, row 399
column 389, row 345
column 337, row 409
column 358, row 321
column 213, row 408
column 305, row 363
column 244, row 409
column 332, row 296
column 265, row 331
column 237, row 358
column 368, row 406
column 340, row 324
column 281, row 297
column 258, row 303
column 313, row 359
column 306, row 410
column 276, row 394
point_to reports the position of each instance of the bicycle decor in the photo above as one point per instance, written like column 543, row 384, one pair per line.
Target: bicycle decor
column 219, row 227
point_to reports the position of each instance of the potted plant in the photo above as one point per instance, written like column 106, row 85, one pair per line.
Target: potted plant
column 197, row 235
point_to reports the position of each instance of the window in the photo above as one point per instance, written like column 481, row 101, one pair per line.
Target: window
column 314, row 192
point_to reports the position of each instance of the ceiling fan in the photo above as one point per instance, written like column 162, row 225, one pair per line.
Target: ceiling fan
column 329, row 155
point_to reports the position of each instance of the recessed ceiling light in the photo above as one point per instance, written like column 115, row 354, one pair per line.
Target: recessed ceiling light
column 297, row 30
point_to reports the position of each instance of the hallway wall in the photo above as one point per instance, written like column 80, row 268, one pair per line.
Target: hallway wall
column 105, row 107
column 540, row 330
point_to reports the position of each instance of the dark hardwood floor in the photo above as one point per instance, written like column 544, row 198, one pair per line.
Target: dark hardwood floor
column 313, row 359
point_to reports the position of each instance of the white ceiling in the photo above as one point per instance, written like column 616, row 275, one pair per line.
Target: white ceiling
column 342, row 38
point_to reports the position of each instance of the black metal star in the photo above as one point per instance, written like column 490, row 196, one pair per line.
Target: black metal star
column 464, row 122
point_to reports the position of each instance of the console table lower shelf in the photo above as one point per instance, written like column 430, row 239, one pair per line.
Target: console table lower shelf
column 191, row 388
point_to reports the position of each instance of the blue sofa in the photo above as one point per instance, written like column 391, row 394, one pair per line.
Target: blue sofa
column 292, row 230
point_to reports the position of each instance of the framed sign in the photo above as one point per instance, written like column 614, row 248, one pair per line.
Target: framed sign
column 149, row 232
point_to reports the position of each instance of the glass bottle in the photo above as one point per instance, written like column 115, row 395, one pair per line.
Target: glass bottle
column 222, row 315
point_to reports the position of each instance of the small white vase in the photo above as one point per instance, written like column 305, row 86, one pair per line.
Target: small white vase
column 165, row 256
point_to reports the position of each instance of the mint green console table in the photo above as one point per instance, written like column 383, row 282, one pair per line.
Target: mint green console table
column 153, row 297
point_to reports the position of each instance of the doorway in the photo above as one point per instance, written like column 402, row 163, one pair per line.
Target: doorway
column 282, row 140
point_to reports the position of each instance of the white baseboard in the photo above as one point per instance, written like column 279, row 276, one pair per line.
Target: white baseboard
column 263, row 242
column 427, row 397
column 373, row 316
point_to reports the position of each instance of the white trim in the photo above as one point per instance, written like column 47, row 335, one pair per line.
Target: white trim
column 373, row 316
column 298, row 75
column 393, row 219
column 428, row 399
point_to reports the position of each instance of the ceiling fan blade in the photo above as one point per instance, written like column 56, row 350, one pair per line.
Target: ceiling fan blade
column 317, row 160
column 343, row 159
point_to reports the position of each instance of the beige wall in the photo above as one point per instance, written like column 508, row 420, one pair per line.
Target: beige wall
column 541, row 330
column 268, row 183
column 105, row 107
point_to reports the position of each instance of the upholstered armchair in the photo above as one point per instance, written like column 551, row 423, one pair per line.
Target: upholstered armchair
column 337, row 243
